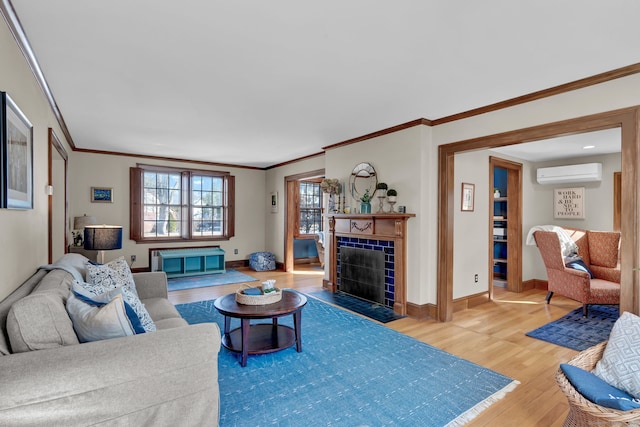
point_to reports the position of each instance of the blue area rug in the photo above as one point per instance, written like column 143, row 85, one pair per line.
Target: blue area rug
column 351, row 372
column 367, row 308
column 579, row 333
column 202, row 281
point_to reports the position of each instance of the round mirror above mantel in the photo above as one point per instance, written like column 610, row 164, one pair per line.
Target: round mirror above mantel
column 362, row 178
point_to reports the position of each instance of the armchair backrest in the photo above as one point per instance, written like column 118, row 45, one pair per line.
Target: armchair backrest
column 549, row 246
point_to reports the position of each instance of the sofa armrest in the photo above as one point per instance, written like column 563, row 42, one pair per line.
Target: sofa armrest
column 151, row 284
column 168, row 377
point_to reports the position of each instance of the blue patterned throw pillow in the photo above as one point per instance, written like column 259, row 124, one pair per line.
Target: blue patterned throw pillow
column 620, row 363
column 103, row 278
column 111, row 274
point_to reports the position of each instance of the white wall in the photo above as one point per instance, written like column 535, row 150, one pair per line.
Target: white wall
column 607, row 96
column 25, row 232
column 99, row 170
column 275, row 222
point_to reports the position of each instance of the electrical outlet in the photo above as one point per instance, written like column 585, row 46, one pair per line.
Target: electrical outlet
column 133, row 259
column 475, row 278
column 235, row 252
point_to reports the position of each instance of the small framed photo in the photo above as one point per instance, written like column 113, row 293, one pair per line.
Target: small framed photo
column 101, row 195
column 468, row 195
column 274, row 202
column 16, row 156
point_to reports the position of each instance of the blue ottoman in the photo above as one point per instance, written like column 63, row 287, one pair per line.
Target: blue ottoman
column 262, row 261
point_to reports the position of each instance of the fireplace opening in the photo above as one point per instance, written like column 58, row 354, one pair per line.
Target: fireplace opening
column 362, row 273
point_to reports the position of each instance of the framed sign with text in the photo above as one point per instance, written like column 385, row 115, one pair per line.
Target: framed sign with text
column 568, row 203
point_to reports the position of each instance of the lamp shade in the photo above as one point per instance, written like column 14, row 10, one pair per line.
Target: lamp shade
column 102, row 237
column 80, row 222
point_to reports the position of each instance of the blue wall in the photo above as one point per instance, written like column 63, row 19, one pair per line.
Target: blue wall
column 304, row 248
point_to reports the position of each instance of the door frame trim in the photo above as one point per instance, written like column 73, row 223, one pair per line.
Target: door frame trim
column 627, row 119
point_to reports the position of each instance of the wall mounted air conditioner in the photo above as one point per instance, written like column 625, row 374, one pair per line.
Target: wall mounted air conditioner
column 571, row 173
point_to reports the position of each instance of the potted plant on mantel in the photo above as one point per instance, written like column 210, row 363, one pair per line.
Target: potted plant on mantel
column 391, row 198
column 365, row 202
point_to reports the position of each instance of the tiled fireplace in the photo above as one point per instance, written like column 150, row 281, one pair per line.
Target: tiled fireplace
column 365, row 268
column 368, row 257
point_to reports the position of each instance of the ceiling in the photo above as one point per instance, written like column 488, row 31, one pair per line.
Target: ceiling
column 595, row 143
column 258, row 83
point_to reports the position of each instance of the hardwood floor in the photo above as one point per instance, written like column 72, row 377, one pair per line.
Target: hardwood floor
column 491, row 335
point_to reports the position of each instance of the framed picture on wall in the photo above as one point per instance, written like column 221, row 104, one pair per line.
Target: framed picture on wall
column 16, row 153
column 101, row 195
column 274, row 202
column 468, row 195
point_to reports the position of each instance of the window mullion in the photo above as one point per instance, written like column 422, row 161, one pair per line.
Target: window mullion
column 185, row 207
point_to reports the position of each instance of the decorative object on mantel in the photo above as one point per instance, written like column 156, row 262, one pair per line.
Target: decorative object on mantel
column 391, row 198
column 331, row 187
column 365, row 202
column 362, row 178
column 381, row 195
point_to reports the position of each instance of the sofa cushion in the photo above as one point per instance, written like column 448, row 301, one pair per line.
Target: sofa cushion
column 174, row 322
column 160, row 308
column 56, row 281
column 39, row 321
column 95, row 321
column 603, row 248
column 95, row 290
column 620, row 362
column 598, row 391
column 111, row 275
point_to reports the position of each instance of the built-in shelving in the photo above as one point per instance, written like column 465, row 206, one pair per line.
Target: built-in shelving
column 500, row 236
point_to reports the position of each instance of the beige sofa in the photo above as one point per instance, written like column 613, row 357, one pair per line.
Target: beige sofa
column 164, row 378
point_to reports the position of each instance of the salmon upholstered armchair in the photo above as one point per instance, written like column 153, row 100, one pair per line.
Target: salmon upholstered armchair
column 600, row 283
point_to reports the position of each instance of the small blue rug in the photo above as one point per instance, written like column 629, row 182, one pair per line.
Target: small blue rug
column 579, row 333
column 351, row 372
column 370, row 309
column 202, row 281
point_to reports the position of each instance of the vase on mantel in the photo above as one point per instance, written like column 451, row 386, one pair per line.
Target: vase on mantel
column 365, row 207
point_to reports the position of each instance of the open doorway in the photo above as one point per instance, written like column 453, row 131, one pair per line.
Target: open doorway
column 626, row 120
column 58, row 217
column 303, row 219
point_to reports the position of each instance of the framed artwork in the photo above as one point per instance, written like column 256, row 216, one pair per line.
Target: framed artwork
column 16, row 155
column 101, row 195
column 468, row 195
column 274, row 202
column 568, row 203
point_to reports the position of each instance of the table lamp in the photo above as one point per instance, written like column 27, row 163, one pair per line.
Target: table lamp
column 102, row 238
column 79, row 223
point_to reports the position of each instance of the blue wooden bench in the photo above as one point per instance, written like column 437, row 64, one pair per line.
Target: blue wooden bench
column 191, row 262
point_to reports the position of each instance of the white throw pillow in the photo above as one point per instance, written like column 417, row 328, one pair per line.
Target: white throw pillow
column 620, row 363
column 93, row 323
column 129, row 296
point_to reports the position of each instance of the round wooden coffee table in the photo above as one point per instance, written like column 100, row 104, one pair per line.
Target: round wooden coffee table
column 262, row 337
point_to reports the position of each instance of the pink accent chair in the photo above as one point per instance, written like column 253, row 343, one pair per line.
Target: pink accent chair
column 599, row 251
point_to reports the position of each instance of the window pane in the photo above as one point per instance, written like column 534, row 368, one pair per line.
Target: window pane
column 207, row 212
column 310, row 208
column 162, row 203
